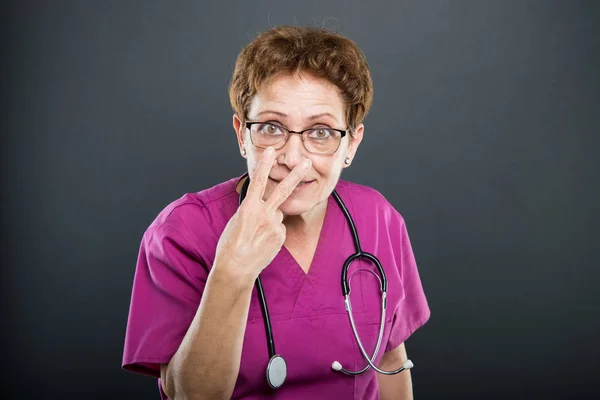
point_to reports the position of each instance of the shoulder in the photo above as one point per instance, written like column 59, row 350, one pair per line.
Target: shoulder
column 203, row 207
column 194, row 222
column 368, row 201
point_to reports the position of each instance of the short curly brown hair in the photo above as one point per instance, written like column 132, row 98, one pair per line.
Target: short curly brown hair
column 317, row 51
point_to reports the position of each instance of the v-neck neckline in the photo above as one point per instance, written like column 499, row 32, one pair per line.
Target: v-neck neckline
column 293, row 265
column 318, row 250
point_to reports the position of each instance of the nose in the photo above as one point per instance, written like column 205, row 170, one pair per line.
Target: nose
column 293, row 152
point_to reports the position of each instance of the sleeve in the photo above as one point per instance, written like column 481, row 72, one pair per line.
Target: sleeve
column 413, row 311
column 167, row 287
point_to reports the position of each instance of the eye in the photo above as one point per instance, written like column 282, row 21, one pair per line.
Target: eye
column 270, row 129
column 320, row 133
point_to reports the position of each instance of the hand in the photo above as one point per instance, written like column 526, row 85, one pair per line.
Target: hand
column 254, row 235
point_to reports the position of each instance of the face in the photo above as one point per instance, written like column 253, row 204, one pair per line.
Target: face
column 298, row 102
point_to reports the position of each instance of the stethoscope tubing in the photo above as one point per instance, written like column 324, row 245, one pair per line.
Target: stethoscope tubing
column 345, row 291
column 261, row 293
column 359, row 252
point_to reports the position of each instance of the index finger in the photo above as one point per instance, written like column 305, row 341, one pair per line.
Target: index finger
column 258, row 182
column 285, row 188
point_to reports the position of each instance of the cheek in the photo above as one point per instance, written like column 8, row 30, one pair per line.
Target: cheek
column 329, row 170
column 252, row 161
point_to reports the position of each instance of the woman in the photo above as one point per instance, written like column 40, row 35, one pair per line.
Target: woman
column 196, row 321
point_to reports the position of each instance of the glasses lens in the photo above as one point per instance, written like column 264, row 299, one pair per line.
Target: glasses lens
column 318, row 140
column 322, row 140
column 265, row 135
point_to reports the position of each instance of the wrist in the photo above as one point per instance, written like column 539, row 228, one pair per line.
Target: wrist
column 232, row 277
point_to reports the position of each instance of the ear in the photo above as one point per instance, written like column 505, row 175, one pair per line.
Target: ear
column 353, row 143
column 239, row 132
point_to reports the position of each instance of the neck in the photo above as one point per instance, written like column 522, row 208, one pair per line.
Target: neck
column 306, row 224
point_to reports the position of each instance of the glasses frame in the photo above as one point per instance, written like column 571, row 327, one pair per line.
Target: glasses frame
column 301, row 133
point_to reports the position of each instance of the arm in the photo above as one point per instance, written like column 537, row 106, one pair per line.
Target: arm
column 207, row 362
column 399, row 386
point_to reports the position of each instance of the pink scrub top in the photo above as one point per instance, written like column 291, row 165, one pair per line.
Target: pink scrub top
column 311, row 328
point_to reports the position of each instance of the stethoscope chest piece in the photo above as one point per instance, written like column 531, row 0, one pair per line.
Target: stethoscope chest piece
column 276, row 371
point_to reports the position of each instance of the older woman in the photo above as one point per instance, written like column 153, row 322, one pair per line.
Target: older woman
column 246, row 290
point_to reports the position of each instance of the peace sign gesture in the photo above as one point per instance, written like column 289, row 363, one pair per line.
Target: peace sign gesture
column 255, row 233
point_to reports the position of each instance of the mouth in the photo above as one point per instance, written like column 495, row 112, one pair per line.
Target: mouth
column 302, row 183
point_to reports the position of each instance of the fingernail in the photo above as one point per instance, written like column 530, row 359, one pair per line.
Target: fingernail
column 269, row 150
column 306, row 162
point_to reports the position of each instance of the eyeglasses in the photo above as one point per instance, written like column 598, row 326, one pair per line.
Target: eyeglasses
column 320, row 140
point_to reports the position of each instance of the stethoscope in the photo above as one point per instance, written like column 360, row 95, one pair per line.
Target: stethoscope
column 277, row 367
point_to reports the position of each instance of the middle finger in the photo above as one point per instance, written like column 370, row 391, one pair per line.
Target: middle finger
column 284, row 189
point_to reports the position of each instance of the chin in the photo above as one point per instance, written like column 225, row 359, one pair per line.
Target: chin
column 296, row 206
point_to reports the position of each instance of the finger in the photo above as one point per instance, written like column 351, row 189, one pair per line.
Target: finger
column 258, row 183
column 285, row 188
column 283, row 232
column 279, row 216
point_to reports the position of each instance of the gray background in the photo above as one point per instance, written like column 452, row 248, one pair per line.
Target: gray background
column 483, row 134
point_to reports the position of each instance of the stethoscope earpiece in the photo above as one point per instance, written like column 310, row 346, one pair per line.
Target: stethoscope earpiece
column 336, row 366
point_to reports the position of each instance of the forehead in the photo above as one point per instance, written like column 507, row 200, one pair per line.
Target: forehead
column 298, row 95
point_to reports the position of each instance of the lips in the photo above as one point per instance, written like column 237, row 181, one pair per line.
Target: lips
column 298, row 186
column 301, row 182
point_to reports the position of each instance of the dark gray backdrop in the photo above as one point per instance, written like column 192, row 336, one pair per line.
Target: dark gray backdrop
column 483, row 134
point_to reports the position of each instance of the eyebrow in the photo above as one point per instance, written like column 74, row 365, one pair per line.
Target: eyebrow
column 312, row 117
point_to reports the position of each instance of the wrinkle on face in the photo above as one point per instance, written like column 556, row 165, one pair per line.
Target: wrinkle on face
column 299, row 97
